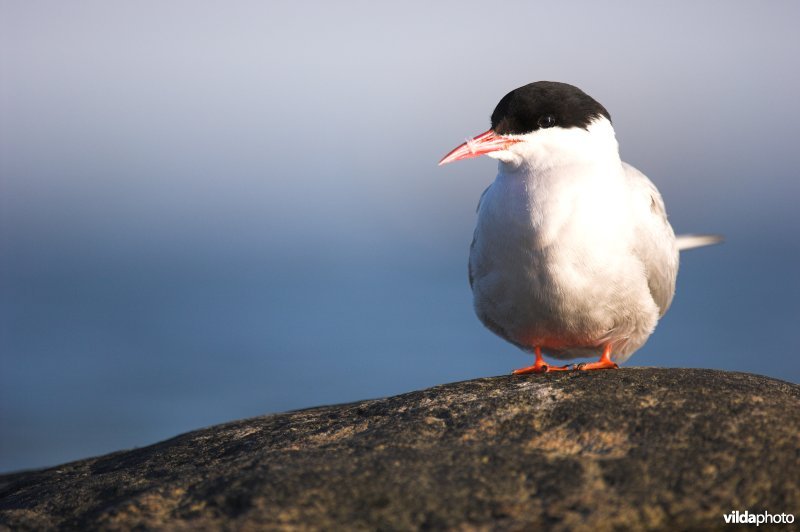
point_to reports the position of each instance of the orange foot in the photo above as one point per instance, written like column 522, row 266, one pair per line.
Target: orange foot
column 539, row 366
column 603, row 363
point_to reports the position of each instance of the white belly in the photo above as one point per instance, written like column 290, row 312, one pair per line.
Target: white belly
column 551, row 266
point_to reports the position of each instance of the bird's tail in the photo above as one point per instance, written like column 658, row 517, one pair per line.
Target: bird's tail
column 697, row 241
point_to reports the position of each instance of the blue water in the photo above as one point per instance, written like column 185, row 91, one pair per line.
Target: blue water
column 207, row 215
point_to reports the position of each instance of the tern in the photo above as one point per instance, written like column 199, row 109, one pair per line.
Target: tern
column 572, row 255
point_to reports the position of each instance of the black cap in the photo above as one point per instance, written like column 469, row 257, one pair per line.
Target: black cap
column 545, row 104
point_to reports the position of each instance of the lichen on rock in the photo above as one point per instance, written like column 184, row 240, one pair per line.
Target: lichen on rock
column 635, row 448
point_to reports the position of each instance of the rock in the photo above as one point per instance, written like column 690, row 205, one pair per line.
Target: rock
column 635, row 448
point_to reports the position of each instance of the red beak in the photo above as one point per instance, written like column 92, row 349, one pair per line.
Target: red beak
column 486, row 142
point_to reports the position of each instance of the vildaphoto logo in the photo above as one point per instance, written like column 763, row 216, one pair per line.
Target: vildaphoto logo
column 743, row 518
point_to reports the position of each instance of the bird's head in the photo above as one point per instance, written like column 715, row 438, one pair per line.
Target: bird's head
column 541, row 123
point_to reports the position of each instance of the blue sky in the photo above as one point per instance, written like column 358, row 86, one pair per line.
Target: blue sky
column 215, row 211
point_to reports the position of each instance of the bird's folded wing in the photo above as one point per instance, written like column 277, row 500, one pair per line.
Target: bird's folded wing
column 655, row 241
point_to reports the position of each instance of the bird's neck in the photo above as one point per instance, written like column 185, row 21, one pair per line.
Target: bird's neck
column 556, row 148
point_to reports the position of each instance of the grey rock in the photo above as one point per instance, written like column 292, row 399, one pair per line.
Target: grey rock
column 636, row 448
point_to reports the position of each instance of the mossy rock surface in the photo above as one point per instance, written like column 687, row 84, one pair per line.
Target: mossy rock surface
column 635, row 448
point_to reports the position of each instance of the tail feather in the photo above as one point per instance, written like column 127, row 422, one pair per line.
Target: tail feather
column 697, row 241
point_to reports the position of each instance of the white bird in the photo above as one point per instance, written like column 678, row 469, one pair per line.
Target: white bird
column 572, row 255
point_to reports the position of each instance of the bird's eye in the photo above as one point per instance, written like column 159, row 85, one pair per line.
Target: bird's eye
column 546, row 121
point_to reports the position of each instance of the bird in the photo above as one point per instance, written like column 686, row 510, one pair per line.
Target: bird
column 572, row 254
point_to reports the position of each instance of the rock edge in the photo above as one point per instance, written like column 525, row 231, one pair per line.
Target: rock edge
column 637, row 448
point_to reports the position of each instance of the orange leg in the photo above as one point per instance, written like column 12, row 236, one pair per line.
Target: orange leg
column 539, row 366
column 603, row 363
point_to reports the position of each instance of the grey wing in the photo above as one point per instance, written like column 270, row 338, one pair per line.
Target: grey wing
column 472, row 245
column 655, row 240
column 470, row 275
column 481, row 198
